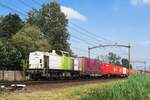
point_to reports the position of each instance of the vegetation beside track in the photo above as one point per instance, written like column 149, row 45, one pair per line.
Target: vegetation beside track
column 64, row 93
column 136, row 88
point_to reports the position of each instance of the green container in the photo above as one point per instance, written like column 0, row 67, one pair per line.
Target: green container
column 67, row 63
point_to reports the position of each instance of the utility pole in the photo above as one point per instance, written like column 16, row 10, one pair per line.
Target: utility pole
column 114, row 45
column 88, row 51
column 129, row 55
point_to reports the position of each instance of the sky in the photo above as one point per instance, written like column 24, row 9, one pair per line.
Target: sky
column 108, row 21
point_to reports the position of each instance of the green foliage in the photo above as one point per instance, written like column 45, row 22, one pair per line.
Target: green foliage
column 113, row 58
column 24, row 64
column 53, row 23
column 30, row 39
column 136, row 88
column 9, row 57
column 10, row 24
column 131, row 66
column 44, row 30
column 118, row 63
column 125, row 62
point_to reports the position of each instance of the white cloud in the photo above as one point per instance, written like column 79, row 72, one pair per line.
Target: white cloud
column 136, row 2
column 146, row 1
column 72, row 14
column 139, row 2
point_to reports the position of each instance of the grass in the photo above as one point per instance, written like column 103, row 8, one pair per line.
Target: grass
column 136, row 88
column 70, row 93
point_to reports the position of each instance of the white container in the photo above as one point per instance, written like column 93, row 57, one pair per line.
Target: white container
column 76, row 64
column 124, row 71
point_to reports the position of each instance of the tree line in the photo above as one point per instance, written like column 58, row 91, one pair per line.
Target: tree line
column 44, row 29
column 114, row 59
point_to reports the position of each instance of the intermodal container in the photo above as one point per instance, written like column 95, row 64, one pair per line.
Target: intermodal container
column 120, row 70
column 89, row 66
column 105, row 69
column 112, row 70
column 130, row 71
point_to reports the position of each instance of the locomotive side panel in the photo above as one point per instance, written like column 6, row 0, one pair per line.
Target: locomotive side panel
column 66, row 63
column 36, row 60
column 55, row 62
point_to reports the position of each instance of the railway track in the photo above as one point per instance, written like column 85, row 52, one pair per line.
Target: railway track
column 51, row 85
column 65, row 84
column 57, row 81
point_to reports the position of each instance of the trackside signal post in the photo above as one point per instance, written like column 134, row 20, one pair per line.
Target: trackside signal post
column 114, row 45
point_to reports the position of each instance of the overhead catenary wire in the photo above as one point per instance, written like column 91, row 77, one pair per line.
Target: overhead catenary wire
column 36, row 2
column 85, row 35
column 17, row 11
column 27, row 5
column 90, row 34
column 82, row 50
column 104, row 40
column 75, row 37
column 99, row 41
column 95, row 38
column 94, row 41
column 72, row 28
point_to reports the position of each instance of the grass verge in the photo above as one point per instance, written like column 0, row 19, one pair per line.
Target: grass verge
column 136, row 88
column 70, row 93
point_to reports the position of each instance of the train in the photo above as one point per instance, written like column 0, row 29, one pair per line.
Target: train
column 50, row 65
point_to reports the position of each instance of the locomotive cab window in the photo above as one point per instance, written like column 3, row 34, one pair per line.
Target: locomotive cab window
column 40, row 60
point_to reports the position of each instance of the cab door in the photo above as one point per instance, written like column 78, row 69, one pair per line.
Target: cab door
column 46, row 62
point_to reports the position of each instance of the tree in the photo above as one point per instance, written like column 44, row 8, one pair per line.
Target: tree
column 9, row 25
column 30, row 39
column 53, row 23
column 118, row 63
column 1, row 18
column 131, row 66
column 125, row 62
column 9, row 57
column 113, row 58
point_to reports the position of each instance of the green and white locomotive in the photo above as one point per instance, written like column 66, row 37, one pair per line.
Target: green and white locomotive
column 51, row 65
